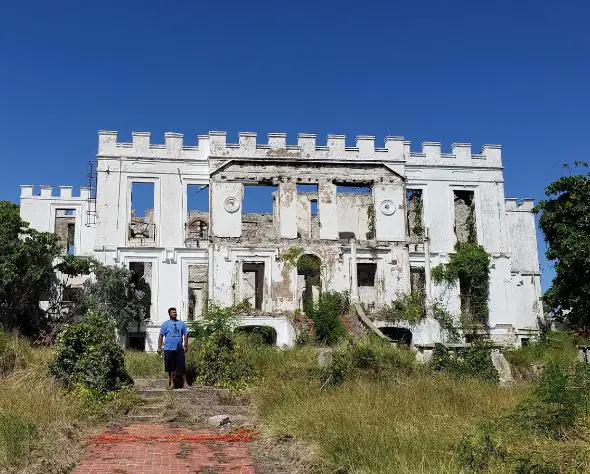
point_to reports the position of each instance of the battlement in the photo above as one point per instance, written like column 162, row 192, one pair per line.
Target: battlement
column 522, row 205
column 140, row 147
column 27, row 191
column 215, row 145
column 461, row 155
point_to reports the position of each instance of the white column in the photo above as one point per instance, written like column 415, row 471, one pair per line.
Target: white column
column 428, row 287
column 354, row 287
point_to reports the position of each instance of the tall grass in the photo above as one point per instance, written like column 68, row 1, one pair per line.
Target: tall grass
column 34, row 411
column 408, row 424
column 144, row 364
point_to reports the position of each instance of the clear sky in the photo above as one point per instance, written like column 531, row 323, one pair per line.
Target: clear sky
column 508, row 72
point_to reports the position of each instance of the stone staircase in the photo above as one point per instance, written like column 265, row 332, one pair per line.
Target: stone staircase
column 192, row 407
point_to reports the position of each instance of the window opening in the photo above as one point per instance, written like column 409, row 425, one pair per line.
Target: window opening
column 313, row 205
column 414, row 216
column 308, row 278
column 345, row 188
column 136, row 341
column 141, row 278
column 198, row 278
column 142, row 224
column 464, row 229
column 366, row 274
column 65, row 229
column 253, row 284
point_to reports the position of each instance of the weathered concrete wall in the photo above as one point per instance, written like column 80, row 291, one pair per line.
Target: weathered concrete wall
column 231, row 238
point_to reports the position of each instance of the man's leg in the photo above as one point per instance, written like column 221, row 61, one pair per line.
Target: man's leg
column 170, row 380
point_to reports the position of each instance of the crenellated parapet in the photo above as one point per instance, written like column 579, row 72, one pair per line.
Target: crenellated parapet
column 141, row 146
column 461, row 155
column 28, row 191
column 216, row 146
column 306, row 148
column 522, row 205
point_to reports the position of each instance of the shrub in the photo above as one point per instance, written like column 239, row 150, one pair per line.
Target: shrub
column 474, row 361
column 215, row 320
column 218, row 361
column 559, row 347
column 325, row 314
column 7, row 355
column 370, row 358
column 87, row 353
column 559, row 398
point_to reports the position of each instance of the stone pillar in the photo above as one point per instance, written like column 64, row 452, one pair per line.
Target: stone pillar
column 428, row 284
column 354, row 286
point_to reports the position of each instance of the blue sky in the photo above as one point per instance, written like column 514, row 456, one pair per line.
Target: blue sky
column 514, row 73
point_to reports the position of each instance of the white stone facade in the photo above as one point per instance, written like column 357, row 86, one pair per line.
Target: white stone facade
column 365, row 242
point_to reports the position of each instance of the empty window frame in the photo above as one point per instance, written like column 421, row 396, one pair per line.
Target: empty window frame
column 464, row 225
column 141, row 222
column 197, row 219
column 141, row 278
column 366, row 273
column 65, row 229
column 415, row 212
column 253, row 283
column 259, row 199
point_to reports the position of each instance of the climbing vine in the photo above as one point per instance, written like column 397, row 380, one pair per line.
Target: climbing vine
column 411, row 308
column 470, row 265
column 470, row 223
column 291, row 255
column 371, row 219
column 415, row 196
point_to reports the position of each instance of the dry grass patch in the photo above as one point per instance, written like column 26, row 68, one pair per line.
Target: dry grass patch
column 405, row 425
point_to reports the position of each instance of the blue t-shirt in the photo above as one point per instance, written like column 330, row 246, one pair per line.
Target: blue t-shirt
column 173, row 330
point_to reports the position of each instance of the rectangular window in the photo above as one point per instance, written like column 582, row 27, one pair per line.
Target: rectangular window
column 464, row 226
column 198, row 278
column 253, row 284
column 366, row 274
column 65, row 229
column 197, row 220
column 141, row 277
column 259, row 199
column 414, row 209
column 141, row 224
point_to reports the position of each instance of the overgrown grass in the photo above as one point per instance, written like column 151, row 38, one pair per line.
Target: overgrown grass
column 34, row 412
column 558, row 347
column 406, row 423
column 144, row 364
column 41, row 423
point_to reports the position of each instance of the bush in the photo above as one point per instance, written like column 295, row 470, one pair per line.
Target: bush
column 559, row 347
column 218, row 362
column 371, row 358
column 474, row 361
column 560, row 396
column 87, row 353
column 325, row 314
column 7, row 355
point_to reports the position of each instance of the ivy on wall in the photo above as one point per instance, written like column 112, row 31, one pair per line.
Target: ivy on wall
column 470, row 265
column 371, row 220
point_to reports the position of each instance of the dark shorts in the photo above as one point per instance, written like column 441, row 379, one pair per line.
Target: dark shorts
column 174, row 361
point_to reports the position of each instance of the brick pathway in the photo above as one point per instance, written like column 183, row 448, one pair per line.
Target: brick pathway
column 148, row 448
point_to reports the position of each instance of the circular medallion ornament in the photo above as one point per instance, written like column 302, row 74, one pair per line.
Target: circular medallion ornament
column 387, row 207
column 231, row 204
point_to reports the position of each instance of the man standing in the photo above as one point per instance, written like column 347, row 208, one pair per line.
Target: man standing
column 175, row 333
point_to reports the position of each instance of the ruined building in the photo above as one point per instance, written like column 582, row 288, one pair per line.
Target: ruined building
column 365, row 220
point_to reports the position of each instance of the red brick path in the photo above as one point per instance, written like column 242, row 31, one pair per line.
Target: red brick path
column 164, row 456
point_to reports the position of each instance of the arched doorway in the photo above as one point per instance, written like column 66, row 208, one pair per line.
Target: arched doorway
column 262, row 335
column 397, row 334
column 309, row 282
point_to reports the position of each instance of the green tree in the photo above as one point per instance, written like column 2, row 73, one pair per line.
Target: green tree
column 26, row 271
column 111, row 293
column 565, row 222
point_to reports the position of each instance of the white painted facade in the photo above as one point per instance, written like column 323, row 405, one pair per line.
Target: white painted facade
column 242, row 256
